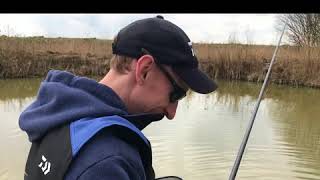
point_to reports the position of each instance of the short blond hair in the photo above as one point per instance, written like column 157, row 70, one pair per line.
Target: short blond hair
column 121, row 63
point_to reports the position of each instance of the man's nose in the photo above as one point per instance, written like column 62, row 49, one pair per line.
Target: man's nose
column 171, row 110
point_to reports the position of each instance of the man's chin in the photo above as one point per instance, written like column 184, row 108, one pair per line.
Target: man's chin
column 169, row 118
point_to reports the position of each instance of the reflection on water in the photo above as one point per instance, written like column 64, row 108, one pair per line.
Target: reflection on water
column 14, row 96
column 203, row 140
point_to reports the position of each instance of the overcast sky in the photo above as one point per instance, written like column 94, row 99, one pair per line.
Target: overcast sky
column 210, row 28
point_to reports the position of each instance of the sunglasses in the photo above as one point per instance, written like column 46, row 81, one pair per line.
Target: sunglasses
column 177, row 93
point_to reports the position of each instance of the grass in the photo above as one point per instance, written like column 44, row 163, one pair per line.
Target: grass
column 34, row 56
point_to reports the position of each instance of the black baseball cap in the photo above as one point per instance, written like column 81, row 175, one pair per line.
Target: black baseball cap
column 169, row 44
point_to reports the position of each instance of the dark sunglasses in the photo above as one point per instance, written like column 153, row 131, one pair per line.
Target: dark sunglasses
column 177, row 93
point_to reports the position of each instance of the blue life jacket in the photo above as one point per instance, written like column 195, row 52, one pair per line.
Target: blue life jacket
column 67, row 115
column 50, row 157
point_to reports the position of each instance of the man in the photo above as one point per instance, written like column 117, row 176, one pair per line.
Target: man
column 85, row 130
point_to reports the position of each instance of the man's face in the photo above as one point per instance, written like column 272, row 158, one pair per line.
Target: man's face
column 154, row 88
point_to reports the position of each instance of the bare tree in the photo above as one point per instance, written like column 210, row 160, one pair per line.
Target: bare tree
column 248, row 35
column 233, row 38
column 303, row 29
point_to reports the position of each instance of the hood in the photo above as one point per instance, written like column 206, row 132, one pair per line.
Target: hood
column 64, row 97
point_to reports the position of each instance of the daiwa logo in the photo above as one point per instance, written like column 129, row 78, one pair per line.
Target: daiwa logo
column 45, row 165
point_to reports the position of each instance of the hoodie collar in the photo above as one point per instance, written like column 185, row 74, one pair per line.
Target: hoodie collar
column 104, row 93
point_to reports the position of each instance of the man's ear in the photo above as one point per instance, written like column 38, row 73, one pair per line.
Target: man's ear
column 143, row 67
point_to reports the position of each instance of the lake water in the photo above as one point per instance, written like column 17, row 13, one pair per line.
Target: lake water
column 203, row 139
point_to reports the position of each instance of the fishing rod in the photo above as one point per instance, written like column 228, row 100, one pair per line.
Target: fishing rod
column 246, row 136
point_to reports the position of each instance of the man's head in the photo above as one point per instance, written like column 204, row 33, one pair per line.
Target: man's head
column 156, row 60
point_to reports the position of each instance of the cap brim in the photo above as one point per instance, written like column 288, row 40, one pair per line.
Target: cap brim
column 196, row 80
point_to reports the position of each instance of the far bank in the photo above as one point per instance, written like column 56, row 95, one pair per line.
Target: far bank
column 34, row 57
